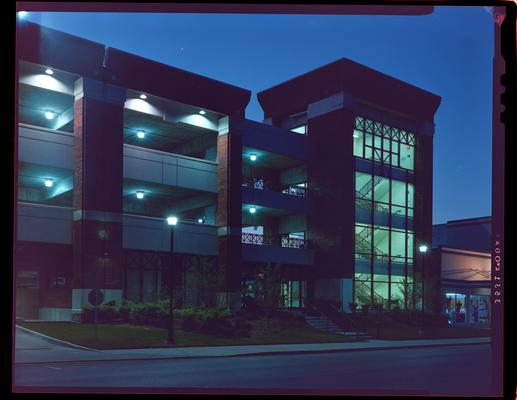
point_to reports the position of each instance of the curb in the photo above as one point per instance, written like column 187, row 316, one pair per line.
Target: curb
column 260, row 353
column 53, row 340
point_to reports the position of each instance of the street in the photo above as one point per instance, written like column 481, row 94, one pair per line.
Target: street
column 455, row 370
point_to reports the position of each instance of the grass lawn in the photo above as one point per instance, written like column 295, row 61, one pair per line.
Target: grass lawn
column 407, row 332
column 125, row 336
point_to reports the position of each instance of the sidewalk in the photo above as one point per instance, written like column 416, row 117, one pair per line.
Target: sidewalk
column 57, row 351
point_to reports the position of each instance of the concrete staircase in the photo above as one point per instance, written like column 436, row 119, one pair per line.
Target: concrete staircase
column 322, row 323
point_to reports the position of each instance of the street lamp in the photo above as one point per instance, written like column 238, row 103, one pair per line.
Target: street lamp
column 423, row 250
column 172, row 221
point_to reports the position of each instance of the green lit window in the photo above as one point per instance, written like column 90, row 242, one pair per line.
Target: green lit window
column 384, row 144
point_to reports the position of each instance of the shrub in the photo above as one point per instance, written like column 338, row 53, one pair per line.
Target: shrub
column 216, row 322
column 87, row 315
column 125, row 310
column 107, row 313
column 436, row 320
column 242, row 328
column 190, row 319
column 150, row 314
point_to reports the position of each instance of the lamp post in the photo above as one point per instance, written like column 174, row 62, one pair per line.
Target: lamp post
column 172, row 221
column 423, row 250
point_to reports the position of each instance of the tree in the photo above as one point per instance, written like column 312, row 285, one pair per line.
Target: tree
column 202, row 279
column 270, row 277
column 410, row 292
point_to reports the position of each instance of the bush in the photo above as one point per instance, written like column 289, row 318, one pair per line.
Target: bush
column 216, row 321
column 125, row 310
column 153, row 314
column 107, row 313
column 436, row 320
column 87, row 314
column 190, row 319
column 242, row 328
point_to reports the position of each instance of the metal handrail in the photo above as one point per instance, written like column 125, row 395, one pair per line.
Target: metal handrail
column 266, row 184
column 269, row 240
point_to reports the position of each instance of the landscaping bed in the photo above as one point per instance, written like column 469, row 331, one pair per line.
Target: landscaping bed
column 129, row 336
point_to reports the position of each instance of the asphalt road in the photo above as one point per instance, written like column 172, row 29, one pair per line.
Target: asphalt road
column 454, row 371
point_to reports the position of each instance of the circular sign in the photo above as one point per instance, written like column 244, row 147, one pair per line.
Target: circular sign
column 95, row 297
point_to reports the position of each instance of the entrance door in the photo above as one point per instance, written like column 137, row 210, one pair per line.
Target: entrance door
column 27, row 294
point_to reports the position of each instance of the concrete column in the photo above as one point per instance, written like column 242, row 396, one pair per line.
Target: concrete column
column 97, row 197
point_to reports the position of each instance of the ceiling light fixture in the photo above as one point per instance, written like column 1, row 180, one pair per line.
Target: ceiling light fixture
column 49, row 115
column 202, row 112
column 140, row 134
column 143, row 96
column 48, row 71
column 139, row 194
column 49, row 183
column 253, row 210
column 253, row 157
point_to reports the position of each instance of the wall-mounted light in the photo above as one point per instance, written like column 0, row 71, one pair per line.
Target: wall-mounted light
column 253, row 157
column 202, row 112
column 172, row 220
column 423, row 248
column 48, row 71
column 253, row 210
column 200, row 220
column 49, row 115
column 140, row 134
column 48, row 183
column 143, row 96
column 139, row 194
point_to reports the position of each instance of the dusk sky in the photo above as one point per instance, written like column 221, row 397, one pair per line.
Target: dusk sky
column 448, row 53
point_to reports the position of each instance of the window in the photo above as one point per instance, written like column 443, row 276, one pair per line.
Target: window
column 383, row 143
